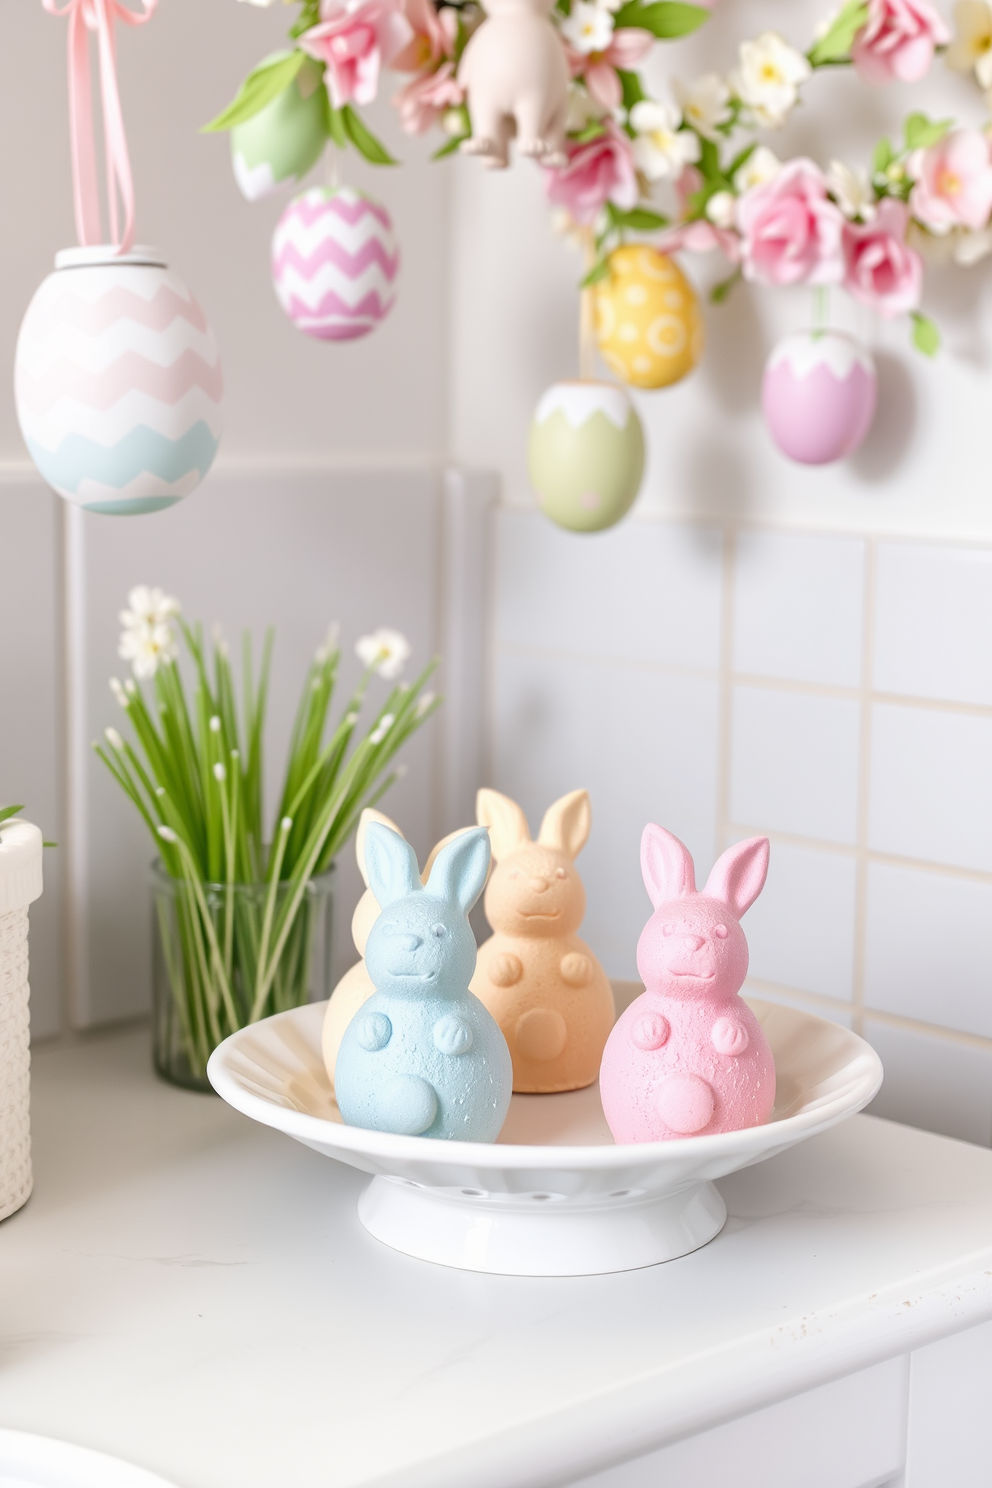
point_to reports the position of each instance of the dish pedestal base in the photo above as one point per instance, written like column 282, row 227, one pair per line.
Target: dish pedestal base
column 539, row 1234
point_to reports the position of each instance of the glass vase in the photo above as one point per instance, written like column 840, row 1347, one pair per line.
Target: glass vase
column 226, row 955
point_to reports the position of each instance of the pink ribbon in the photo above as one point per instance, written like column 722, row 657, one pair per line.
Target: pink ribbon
column 99, row 16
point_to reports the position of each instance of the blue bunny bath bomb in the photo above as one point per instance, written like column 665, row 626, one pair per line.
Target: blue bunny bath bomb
column 423, row 1057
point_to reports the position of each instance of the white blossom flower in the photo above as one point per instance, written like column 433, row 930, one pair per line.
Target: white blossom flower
column 382, row 728
column 168, row 835
column 384, row 651
column 149, row 607
column 705, row 103
column 588, row 28
column 972, row 44
column 852, row 191
column 721, row 209
column 423, row 703
column 146, row 647
column 582, row 109
column 118, row 691
column 114, row 739
column 220, row 774
column 761, row 166
column 768, row 78
column 971, row 245
column 661, row 149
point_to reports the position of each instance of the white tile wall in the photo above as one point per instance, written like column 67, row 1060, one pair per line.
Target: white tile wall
column 931, row 785
column 933, row 624
column 794, row 763
column 798, row 607
column 843, row 707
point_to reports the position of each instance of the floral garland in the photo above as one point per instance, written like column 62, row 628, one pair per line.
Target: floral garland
column 863, row 228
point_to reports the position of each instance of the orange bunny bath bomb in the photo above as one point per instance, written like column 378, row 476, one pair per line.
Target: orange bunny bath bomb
column 543, row 985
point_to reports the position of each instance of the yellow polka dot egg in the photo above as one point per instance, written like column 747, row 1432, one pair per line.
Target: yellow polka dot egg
column 648, row 323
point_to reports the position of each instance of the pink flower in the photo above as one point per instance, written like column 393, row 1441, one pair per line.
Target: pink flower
column 953, row 182
column 700, row 236
column 597, row 172
column 879, row 269
column 627, row 46
column 791, row 230
column 422, row 102
column 897, row 42
column 356, row 38
column 433, row 36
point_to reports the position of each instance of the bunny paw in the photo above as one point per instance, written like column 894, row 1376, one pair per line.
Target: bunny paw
column 505, row 969
column 685, row 1104
column 452, row 1035
column 408, row 1105
column 728, row 1036
column 650, row 1032
column 374, row 1032
column 576, row 969
column 541, row 1034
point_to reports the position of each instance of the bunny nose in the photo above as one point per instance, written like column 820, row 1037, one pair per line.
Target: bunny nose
column 539, row 885
column 408, row 942
column 693, row 942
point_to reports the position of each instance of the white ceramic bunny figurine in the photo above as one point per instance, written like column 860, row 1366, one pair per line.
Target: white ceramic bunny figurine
column 356, row 986
column 423, row 1057
column 516, row 77
column 543, row 985
column 688, row 1057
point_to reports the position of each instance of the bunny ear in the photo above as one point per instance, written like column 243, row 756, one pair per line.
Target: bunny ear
column 369, row 815
column 507, row 824
column 566, row 824
column 738, row 877
column 425, row 875
column 666, row 866
column 460, row 869
column 391, row 864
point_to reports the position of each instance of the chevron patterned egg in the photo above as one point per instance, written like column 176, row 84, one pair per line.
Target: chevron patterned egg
column 334, row 263
column 118, row 382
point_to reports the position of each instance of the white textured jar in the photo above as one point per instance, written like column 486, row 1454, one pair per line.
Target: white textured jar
column 20, row 883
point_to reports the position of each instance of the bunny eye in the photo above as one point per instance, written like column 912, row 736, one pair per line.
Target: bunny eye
column 439, row 930
column 667, row 929
column 560, row 873
column 721, row 931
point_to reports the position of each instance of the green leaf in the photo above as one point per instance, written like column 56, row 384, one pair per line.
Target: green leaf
column 309, row 16
column 741, row 158
column 633, row 89
column 258, row 90
column 921, row 131
column 596, row 273
column 639, row 219
column 335, row 125
column 6, row 812
column 666, row 19
column 451, row 146
column 926, row 336
column 364, row 142
column 883, row 157
column 835, row 45
column 720, row 291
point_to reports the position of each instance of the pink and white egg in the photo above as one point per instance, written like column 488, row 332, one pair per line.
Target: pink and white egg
column 335, row 260
column 818, row 395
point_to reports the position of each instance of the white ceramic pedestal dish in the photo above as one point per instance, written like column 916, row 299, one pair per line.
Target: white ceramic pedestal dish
column 554, row 1196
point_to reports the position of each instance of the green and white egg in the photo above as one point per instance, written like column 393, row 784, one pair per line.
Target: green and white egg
column 586, row 454
column 284, row 140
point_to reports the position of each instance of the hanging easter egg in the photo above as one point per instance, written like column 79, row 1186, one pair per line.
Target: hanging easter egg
column 334, row 263
column 284, row 140
column 818, row 395
column 118, row 382
column 586, row 454
column 648, row 322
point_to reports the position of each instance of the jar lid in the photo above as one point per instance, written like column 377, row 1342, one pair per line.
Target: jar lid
column 20, row 865
column 106, row 253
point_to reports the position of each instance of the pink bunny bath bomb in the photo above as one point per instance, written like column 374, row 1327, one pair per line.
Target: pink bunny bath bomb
column 688, row 1057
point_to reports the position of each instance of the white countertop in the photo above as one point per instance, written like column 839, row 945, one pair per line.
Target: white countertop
column 195, row 1293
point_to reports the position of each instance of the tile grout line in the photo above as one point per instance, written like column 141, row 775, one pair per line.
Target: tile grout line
column 728, row 569
column 758, row 985
column 873, row 855
column 864, row 787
